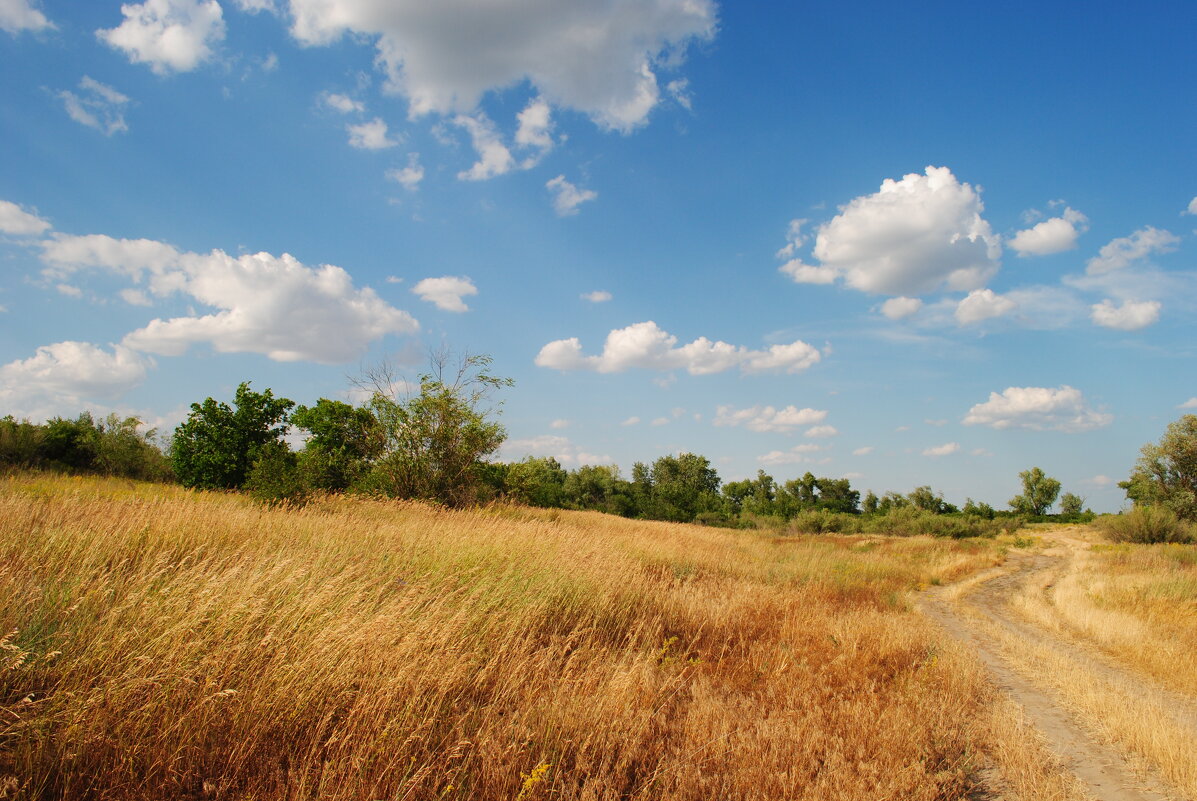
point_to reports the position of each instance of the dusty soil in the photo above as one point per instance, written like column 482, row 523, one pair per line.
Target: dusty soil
column 982, row 607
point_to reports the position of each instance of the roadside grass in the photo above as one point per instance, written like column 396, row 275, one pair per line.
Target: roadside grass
column 160, row 643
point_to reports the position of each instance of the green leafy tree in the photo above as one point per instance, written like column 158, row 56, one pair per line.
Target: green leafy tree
column 1166, row 472
column 1039, row 492
column 683, row 487
column 343, row 442
column 981, row 509
column 537, row 481
column 925, row 499
column 870, row 503
column 1071, row 505
column 217, row 445
column 434, row 441
column 123, row 447
column 837, row 495
column 599, row 487
column 70, row 444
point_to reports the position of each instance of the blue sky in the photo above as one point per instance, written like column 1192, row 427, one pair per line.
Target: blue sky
column 915, row 244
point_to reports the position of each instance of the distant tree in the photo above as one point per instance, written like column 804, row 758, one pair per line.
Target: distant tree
column 927, row 500
column 837, row 495
column 1038, row 493
column 683, row 486
column 537, row 481
column 20, row 443
column 434, row 442
column 1166, row 472
column 599, row 487
column 1071, row 505
column 892, row 500
column 982, row 509
column 870, row 503
column 217, row 445
column 124, row 447
column 343, row 442
column 69, row 444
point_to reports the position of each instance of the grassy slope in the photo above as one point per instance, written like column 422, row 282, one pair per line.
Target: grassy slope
column 170, row 644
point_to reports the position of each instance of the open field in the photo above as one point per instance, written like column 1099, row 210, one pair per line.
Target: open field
column 159, row 643
column 171, row 644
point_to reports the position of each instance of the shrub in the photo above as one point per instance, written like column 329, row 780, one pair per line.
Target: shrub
column 1147, row 524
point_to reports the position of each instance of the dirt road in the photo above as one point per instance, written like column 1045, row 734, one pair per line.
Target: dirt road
column 1097, row 716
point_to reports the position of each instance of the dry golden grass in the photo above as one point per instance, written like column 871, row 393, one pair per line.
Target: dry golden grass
column 176, row 645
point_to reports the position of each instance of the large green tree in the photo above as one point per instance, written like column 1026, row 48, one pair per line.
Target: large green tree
column 343, row 441
column 1166, row 472
column 1039, row 492
column 217, row 445
column 434, row 441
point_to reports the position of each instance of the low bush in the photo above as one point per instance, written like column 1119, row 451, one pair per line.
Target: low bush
column 1147, row 524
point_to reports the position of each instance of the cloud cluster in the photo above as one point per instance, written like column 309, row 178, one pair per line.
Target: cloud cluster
column 1052, row 235
column 597, row 58
column 97, row 106
column 20, row 15
column 768, row 418
column 567, row 197
column 1130, row 316
column 75, row 370
column 946, row 449
column 915, row 235
column 795, row 455
column 1038, row 409
column 168, row 35
column 982, row 304
column 647, row 346
column 446, row 292
column 1124, row 251
column 370, row 135
column 272, row 305
column 556, row 446
column 16, row 221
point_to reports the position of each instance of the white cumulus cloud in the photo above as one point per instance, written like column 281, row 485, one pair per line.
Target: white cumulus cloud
column 597, row 296
column 535, row 131
column 1053, row 235
column 647, row 346
column 982, row 304
column 1039, row 409
column 273, row 305
column 408, row 177
column 169, row 35
column 1193, row 206
column 1191, row 403
column 372, row 135
column 1126, row 250
column 20, row 15
column 942, row 450
column 493, row 156
column 795, row 455
column 768, row 418
column 546, row 445
column 96, row 106
column 900, row 308
column 915, row 235
column 446, row 292
column 1130, row 316
column 18, row 222
column 70, row 375
column 598, row 58
column 567, row 197
column 342, row 103
column 821, row 432
column 865, row 451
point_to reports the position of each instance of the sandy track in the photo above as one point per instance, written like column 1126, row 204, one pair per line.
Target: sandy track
column 979, row 614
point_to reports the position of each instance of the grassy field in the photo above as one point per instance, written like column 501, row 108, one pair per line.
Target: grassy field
column 158, row 643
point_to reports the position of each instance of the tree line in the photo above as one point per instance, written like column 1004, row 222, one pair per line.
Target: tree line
column 436, row 441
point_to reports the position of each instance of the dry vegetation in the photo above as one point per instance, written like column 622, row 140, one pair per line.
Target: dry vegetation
column 1110, row 632
column 167, row 644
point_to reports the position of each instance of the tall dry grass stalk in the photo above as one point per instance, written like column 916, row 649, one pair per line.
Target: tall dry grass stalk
column 178, row 645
